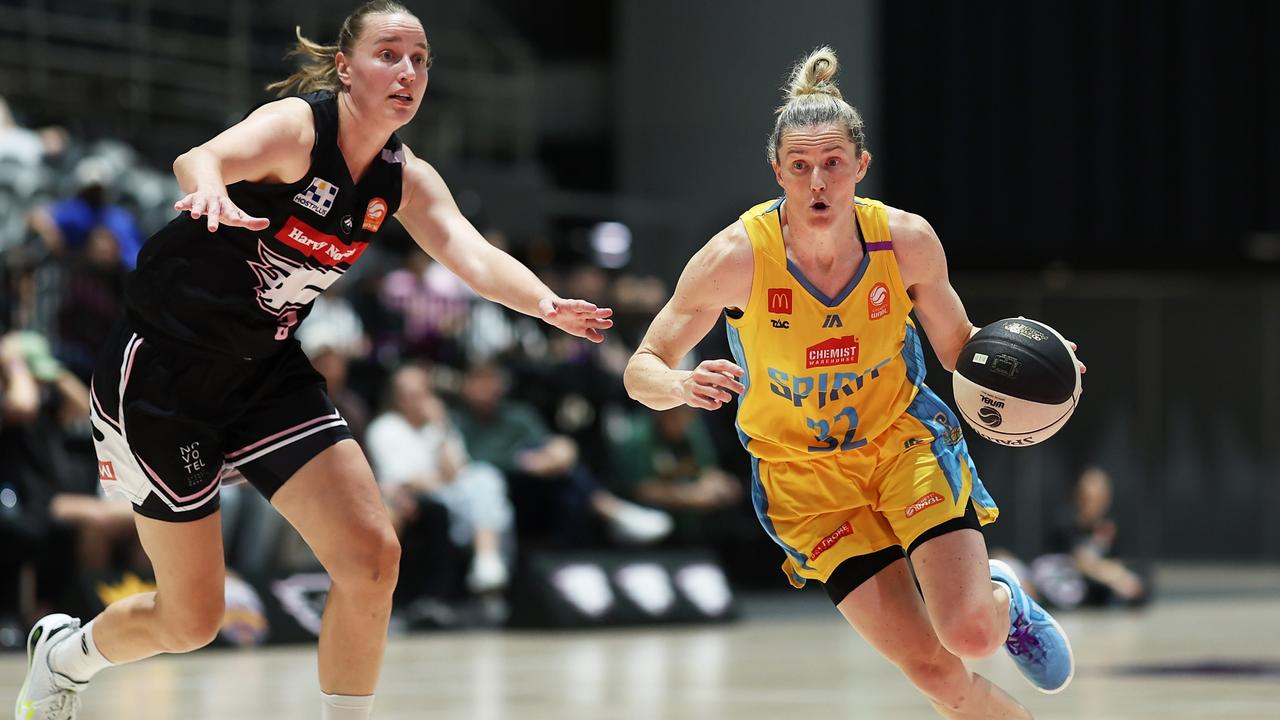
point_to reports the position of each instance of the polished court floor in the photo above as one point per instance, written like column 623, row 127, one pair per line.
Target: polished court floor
column 1211, row 651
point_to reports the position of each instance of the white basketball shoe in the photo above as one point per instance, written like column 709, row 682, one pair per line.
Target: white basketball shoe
column 47, row 694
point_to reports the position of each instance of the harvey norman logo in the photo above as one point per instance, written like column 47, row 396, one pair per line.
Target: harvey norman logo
column 836, row 351
column 328, row 249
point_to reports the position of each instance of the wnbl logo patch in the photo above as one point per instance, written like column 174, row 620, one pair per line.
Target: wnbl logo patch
column 318, row 197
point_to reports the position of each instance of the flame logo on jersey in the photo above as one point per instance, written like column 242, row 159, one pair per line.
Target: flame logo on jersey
column 285, row 285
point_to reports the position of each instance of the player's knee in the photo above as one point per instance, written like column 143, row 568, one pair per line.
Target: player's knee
column 940, row 677
column 971, row 632
column 193, row 627
column 371, row 564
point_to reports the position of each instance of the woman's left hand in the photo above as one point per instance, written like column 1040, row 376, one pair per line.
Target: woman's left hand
column 577, row 317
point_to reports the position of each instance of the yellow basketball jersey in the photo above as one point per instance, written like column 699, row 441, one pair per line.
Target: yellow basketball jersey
column 823, row 374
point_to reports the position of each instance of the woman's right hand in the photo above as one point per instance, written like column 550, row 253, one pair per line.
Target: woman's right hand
column 709, row 385
column 218, row 208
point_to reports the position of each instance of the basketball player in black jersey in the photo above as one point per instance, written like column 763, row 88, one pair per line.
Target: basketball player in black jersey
column 204, row 376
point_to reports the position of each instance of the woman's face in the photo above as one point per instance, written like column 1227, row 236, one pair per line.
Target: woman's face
column 818, row 169
column 386, row 71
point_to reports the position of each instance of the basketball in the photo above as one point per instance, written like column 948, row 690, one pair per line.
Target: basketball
column 1016, row 382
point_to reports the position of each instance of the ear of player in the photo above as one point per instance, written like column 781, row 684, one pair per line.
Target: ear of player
column 1017, row 382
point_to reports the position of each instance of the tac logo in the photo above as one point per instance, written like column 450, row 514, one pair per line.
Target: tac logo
column 106, row 471
column 836, row 351
column 318, row 197
column 780, row 301
column 878, row 301
column 781, row 324
column 932, row 498
column 374, row 214
column 827, row 542
column 832, row 321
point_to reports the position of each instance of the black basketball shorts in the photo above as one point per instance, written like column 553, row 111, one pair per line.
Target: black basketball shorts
column 171, row 425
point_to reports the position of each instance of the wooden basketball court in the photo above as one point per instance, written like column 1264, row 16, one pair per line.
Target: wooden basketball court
column 1208, row 649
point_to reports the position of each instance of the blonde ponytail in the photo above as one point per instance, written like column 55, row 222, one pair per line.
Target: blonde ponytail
column 812, row 99
column 319, row 70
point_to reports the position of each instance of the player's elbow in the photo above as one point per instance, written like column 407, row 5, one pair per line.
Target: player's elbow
column 633, row 379
column 630, row 381
column 186, row 163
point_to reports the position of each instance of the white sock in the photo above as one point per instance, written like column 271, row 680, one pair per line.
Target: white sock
column 346, row 707
column 78, row 656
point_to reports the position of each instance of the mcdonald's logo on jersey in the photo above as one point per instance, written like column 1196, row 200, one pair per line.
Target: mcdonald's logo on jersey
column 780, row 301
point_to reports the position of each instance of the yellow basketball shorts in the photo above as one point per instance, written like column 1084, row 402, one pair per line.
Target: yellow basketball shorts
column 913, row 477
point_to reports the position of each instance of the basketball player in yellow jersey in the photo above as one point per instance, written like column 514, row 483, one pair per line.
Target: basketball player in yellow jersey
column 858, row 466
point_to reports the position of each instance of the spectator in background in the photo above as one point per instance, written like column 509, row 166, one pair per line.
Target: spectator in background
column 46, row 517
column 65, row 226
column 1081, row 567
column 666, row 459
column 549, row 486
column 416, row 454
column 25, row 146
column 92, row 287
column 332, row 336
column 433, row 305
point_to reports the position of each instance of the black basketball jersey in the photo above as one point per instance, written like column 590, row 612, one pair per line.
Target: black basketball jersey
column 241, row 293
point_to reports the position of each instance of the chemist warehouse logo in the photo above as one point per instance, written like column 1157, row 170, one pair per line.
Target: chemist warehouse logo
column 835, row 351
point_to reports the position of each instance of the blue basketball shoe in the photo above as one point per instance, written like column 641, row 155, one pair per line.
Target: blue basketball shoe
column 1036, row 641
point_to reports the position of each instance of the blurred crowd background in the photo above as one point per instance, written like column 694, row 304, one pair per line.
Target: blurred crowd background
column 1118, row 181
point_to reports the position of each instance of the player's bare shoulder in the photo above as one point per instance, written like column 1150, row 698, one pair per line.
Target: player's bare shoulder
column 422, row 184
column 915, row 245
column 289, row 117
column 723, row 268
